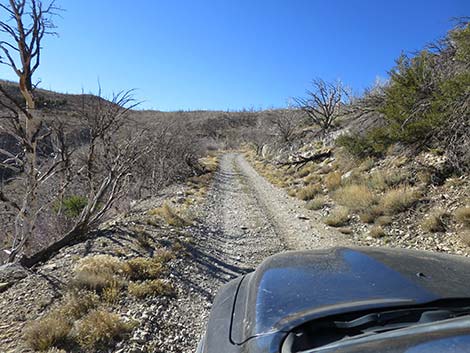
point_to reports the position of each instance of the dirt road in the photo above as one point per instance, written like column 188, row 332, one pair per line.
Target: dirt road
column 244, row 220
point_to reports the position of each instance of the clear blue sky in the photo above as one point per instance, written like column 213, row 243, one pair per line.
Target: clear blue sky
column 231, row 54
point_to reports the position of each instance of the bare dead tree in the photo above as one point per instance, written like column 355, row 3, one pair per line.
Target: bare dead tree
column 27, row 23
column 24, row 25
column 104, row 167
column 324, row 102
column 285, row 123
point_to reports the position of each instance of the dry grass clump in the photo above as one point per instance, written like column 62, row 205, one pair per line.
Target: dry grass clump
column 211, row 163
column 153, row 287
column 47, row 332
column 366, row 165
column 143, row 268
column 163, row 256
column 312, row 178
column 398, row 200
column 465, row 237
column 338, row 217
column 99, row 272
column 292, row 192
column 462, row 215
column 77, row 304
column 170, row 216
column 435, row 222
column 332, row 181
column 303, row 172
column 309, row 192
column 384, row 221
column 370, row 215
column 99, row 329
column 377, row 232
column 316, row 203
column 53, row 329
column 356, row 197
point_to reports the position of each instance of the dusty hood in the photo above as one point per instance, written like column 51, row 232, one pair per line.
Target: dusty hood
column 295, row 287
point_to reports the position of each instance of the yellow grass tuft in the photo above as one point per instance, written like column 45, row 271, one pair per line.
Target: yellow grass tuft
column 356, row 197
column 309, row 192
column 338, row 217
column 398, row 200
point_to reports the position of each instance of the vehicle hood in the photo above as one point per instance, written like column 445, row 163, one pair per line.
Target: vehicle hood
column 292, row 288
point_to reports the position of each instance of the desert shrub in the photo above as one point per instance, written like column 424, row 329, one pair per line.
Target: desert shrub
column 318, row 202
column 398, row 200
column 355, row 197
column 170, row 216
column 143, row 268
column 303, row 172
column 332, row 181
column 434, row 222
column 72, row 206
column 370, row 215
column 465, row 237
column 152, row 287
column 338, row 217
column 76, row 304
column 372, row 144
column 383, row 221
column 309, row 192
column 99, row 272
column 292, row 192
column 312, row 178
column 111, row 294
column 45, row 333
column 163, row 256
column 99, row 329
column 366, row 165
column 377, row 232
column 462, row 215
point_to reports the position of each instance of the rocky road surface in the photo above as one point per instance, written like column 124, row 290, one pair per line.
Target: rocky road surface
column 244, row 220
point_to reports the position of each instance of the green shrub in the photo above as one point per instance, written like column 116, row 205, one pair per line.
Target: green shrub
column 372, row 144
column 72, row 206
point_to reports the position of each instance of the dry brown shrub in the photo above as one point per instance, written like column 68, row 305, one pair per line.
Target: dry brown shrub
column 435, row 221
column 170, row 216
column 99, row 329
column 309, row 192
column 332, row 181
column 99, row 272
column 398, row 200
column 338, row 217
column 143, row 268
column 356, row 197
column 377, row 232
column 462, row 215
column 48, row 332
column 152, row 287
column 316, row 203
column 384, row 221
